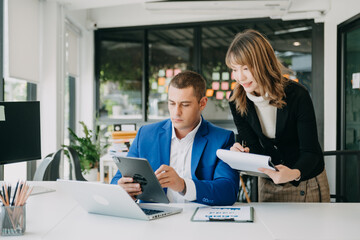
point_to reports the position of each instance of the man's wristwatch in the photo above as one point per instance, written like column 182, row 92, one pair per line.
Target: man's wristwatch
column 297, row 179
column 184, row 190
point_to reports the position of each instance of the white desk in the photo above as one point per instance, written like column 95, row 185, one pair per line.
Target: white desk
column 57, row 216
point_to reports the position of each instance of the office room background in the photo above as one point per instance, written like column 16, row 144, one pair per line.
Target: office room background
column 110, row 59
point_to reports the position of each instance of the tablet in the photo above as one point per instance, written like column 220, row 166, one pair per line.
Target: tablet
column 140, row 170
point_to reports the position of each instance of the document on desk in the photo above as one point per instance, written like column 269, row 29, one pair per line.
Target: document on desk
column 224, row 214
column 247, row 163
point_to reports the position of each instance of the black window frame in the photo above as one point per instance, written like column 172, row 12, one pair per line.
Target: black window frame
column 343, row 164
column 2, row 88
column 343, row 28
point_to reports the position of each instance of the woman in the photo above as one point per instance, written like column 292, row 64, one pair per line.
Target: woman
column 275, row 116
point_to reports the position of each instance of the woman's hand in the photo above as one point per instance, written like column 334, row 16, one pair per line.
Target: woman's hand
column 237, row 147
column 284, row 174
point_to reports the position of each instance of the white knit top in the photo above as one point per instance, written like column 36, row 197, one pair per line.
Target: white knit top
column 266, row 114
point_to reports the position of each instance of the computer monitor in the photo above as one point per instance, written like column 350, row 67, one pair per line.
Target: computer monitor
column 20, row 138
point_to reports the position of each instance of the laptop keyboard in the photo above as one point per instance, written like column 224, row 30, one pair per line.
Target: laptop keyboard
column 151, row 211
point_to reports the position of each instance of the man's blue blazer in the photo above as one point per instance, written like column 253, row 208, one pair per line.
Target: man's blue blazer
column 216, row 183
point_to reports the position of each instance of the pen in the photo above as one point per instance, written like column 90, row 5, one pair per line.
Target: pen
column 16, row 187
column 243, row 144
column 2, row 199
column 221, row 219
column 9, row 192
column 3, row 190
column 273, row 165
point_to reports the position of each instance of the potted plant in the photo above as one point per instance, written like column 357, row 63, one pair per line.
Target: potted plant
column 89, row 149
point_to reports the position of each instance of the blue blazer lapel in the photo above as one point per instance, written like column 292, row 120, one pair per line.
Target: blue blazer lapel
column 199, row 145
column 164, row 143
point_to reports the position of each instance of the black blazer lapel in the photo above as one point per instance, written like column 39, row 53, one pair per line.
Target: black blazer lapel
column 281, row 119
column 252, row 117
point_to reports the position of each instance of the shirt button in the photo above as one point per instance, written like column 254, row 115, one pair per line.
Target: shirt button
column 302, row 193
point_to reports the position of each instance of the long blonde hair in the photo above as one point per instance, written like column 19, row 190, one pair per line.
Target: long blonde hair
column 250, row 48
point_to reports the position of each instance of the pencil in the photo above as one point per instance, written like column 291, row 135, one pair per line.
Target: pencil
column 28, row 194
column 3, row 200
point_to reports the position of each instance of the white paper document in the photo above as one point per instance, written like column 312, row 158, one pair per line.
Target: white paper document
column 247, row 163
column 2, row 113
column 355, row 80
column 230, row 213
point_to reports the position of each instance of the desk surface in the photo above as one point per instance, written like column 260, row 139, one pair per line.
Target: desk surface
column 56, row 215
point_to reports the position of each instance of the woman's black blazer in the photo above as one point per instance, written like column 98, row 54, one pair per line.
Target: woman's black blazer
column 296, row 142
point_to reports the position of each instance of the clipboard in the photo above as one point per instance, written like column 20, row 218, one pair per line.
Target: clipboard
column 247, row 163
column 223, row 214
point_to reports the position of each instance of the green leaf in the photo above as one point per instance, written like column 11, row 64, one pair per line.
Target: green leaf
column 88, row 147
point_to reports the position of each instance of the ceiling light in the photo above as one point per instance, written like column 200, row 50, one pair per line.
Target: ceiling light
column 296, row 44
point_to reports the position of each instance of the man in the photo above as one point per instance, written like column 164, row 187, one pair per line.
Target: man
column 182, row 149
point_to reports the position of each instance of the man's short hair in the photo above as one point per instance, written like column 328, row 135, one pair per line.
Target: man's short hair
column 190, row 79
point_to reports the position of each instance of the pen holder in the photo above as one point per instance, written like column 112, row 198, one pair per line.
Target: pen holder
column 13, row 220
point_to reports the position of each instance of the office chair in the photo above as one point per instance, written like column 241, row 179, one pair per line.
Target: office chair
column 40, row 171
column 49, row 168
column 74, row 158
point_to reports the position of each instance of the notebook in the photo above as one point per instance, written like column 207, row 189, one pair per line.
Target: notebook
column 112, row 200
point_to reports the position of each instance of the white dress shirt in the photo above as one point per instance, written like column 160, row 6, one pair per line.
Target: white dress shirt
column 180, row 160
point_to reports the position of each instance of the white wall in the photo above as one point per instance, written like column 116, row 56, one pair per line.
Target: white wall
column 137, row 15
column 51, row 87
column 86, row 86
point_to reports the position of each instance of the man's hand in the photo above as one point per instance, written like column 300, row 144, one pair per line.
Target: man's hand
column 133, row 189
column 284, row 174
column 237, row 147
column 168, row 178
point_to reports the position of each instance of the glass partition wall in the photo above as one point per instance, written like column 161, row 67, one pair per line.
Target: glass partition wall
column 120, row 75
column 348, row 130
column 170, row 52
column 135, row 65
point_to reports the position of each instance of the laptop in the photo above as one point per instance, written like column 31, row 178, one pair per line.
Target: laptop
column 113, row 200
